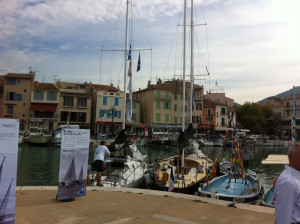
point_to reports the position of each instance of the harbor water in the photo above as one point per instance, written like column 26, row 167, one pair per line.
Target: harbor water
column 39, row 165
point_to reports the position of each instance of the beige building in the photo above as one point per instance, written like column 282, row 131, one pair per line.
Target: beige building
column 74, row 104
column 161, row 104
column 44, row 101
column 16, row 100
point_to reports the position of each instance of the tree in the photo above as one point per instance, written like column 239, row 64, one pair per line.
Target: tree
column 253, row 116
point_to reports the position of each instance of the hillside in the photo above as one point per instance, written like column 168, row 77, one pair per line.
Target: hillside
column 286, row 94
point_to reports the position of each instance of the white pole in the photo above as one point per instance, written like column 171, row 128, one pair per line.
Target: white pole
column 192, row 63
column 183, row 68
column 125, row 63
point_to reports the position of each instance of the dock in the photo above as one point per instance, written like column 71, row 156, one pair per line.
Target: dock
column 276, row 159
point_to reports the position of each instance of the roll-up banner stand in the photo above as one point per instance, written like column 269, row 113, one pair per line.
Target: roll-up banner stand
column 9, row 135
column 73, row 164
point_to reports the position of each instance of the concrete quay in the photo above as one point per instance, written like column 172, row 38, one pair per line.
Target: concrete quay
column 129, row 205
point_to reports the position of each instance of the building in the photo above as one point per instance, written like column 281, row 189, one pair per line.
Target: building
column 74, row 104
column 17, row 97
column 107, row 107
column 282, row 114
column 44, row 101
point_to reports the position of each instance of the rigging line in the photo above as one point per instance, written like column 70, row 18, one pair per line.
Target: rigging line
column 148, row 35
column 206, row 37
column 175, row 35
column 106, row 30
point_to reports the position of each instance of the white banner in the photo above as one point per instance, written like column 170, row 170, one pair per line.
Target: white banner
column 9, row 134
column 73, row 163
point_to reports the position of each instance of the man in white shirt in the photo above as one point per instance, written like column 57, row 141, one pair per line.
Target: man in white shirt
column 99, row 159
column 287, row 189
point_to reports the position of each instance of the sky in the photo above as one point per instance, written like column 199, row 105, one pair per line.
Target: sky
column 251, row 48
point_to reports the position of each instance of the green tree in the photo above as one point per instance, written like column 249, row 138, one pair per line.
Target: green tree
column 253, row 117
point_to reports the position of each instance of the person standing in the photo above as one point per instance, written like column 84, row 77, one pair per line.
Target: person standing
column 99, row 159
column 247, row 155
column 287, row 189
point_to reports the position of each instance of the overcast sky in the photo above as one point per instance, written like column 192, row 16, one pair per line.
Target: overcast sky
column 251, row 47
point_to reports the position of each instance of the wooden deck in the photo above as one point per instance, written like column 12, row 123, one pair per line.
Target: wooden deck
column 276, row 159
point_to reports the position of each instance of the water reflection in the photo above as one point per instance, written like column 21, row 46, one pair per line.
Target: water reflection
column 39, row 165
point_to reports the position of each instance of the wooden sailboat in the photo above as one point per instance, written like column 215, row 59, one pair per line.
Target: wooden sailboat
column 189, row 168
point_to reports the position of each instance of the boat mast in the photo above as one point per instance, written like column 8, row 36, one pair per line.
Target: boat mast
column 183, row 69
column 294, row 117
column 125, row 63
column 192, row 62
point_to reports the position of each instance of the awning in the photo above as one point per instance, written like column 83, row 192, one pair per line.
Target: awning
column 221, row 128
column 43, row 107
column 205, row 126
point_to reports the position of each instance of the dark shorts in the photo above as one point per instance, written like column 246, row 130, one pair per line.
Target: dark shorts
column 98, row 164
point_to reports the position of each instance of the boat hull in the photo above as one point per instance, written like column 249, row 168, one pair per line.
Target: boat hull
column 39, row 139
column 268, row 198
column 238, row 191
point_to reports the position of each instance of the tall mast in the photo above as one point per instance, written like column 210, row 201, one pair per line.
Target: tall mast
column 183, row 68
column 192, row 62
column 125, row 63
column 294, row 117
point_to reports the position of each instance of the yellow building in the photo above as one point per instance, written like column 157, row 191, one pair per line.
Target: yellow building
column 17, row 91
column 74, row 104
column 44, row 101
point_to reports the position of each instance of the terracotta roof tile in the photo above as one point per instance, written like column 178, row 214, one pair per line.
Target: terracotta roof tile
column 104, row 87
column 18, row 75
column 44, row 86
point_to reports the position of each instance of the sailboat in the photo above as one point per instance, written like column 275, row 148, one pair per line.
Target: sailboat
column 124, row 170
column 235, row 186
column 70, row 176
column 189, row 168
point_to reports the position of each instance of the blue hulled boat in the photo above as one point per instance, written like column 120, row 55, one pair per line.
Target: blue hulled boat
column 239, row 190
column 268, row 198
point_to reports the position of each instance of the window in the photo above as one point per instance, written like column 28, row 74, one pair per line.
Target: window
column 287, row 104
column 198, row 106
column 120, row 114
column 175, row 119
column 167, row 94
column 19, row 81
column 73, row 116
column 158, row 117
column 82, row 117
column 158, row 93
column 81, row 101
column 25, row 90
column 19, row 97
column 175, row 107
column 116, row 101
column 24, row 104
column 208, row 112
column 38, row 95
column 68, row 101
column 10, row 110
column 175, row 96
column 223, row 111
column 167, row 105
column 52, row 96
column 11, row 81
column 101, row 113
column 64, row 116
column 223, row 121
column 104, row 100
column 157, row 104
column 166, row 117
column 11, row 96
